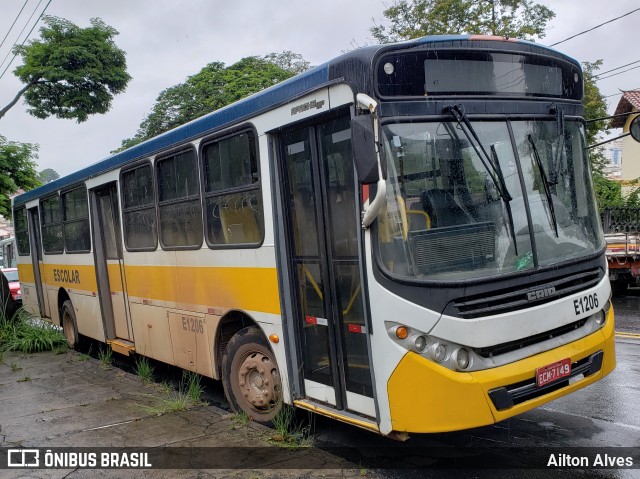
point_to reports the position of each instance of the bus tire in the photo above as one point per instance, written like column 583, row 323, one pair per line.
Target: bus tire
column 251, row 377
column 69, row 324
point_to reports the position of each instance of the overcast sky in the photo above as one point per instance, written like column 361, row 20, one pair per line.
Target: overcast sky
column 168, row 40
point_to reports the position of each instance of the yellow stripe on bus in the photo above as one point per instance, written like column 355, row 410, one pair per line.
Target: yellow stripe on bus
column 254, row 289
column 25, row 273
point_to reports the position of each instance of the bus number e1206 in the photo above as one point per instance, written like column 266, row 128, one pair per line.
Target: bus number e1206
column 585, row 304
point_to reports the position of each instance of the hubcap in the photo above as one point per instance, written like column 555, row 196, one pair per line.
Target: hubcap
column 259, row 381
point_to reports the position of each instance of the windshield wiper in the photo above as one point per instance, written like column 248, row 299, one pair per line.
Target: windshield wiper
column 494, row 173
column 493, row 167
column 545, row 184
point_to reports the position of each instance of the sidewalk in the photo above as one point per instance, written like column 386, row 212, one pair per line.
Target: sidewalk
column 72, row 400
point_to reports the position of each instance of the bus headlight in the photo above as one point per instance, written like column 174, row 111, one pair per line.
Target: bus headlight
column 419, row 343
column 462, row 358
column 600, row 317
column 438, row 352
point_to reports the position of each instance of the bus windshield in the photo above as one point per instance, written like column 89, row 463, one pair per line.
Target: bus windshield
column 458, row 210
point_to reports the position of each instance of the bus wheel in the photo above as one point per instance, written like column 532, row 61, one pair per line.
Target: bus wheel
column 250, row 376
column 69, row 324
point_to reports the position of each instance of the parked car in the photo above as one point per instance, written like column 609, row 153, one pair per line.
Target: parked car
column 8, row 290
column 14, row 283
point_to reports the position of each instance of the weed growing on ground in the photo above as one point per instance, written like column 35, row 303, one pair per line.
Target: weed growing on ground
column 15, row 367
column 144, row 370
column 25, row 379
column 288, row 432
column 27, row 335
column 105, row 356
column 240, row 419
column 189, row 395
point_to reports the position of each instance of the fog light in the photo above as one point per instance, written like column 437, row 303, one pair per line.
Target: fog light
column 600, row 317
column 388, row 68
column 438, row 352
column 462, row 358
column 419, row 343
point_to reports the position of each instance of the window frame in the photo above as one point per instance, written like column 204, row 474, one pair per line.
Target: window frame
column 26, row 230
column 154, row 204
column 216, row 138
column 159, row 204
column 43, row 225
column 65, row 221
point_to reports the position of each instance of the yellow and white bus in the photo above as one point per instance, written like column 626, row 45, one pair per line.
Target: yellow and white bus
column 404, row 238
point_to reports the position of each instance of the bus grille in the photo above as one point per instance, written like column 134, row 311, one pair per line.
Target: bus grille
column 514, row 299
column 508, row 396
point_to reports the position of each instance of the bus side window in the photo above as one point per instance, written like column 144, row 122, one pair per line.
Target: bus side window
column 139, row 212
column 179, row 201
column 232, row 190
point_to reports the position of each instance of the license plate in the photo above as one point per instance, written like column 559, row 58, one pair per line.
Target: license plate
column 553, row 372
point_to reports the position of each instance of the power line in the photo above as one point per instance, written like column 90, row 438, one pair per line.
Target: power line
column 597, row 26
column 621, row 92
column 618, row 73
column 14, row 22
column 614, row 69
column 19, row 35
column 28, row 34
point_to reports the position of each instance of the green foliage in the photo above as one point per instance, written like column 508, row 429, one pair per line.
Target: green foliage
column 105, row 356
column 144, row 370
column 188, row 395
column 509, row 18
column 47, row 176
column 595, row 106
column 17, row 170
column 608, row 192
column 289, row 433
column 214, row 87
column 25, row 335
column 71, row 72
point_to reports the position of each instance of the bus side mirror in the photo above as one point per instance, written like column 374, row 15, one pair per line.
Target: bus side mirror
column 634, row 128
column 364, row 149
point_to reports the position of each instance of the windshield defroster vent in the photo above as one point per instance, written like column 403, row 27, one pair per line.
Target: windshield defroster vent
column 513, row 299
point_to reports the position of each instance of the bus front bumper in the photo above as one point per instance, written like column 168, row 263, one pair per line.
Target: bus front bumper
column 426, row 397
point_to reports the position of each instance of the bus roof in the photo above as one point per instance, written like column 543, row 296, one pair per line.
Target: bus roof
column 241, row 110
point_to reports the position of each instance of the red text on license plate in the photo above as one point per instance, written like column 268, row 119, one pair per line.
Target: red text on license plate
column 552, row 372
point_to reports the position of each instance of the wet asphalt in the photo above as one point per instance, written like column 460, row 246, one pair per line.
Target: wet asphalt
column 73, row 400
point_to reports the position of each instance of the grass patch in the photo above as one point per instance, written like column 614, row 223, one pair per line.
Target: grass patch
column 144, row 370
column 25, row 379
column 239, row 419
column 15, row 367
column 189, row 395
column 105, row 356
column 26, row 335
column 289, row 433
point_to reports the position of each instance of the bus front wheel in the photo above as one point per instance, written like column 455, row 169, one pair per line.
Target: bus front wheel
column 69, row 324
column 250, row 376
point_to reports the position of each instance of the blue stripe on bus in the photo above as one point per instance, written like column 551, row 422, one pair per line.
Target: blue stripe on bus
column 226, row 116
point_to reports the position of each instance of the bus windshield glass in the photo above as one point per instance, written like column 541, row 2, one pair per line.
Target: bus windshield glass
column 518, row 200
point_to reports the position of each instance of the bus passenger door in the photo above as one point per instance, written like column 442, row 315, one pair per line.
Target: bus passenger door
column 319, row 203
column 105, row 214
column 36, row 260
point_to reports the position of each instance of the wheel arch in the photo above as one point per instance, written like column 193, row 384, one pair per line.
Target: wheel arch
column 230, row 324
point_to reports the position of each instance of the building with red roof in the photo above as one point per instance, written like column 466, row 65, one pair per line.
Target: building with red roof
column 629, row 103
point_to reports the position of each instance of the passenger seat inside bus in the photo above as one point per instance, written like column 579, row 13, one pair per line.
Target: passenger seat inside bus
column 443, row 209
column 239, row 223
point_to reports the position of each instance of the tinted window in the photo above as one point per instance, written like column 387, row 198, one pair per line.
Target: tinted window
column 22, row 233
column 77, row 237
column 139, row 211
column 180, row 209
column 51, row 221
column 233, row 195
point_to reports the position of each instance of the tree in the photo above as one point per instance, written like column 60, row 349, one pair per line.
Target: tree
column 47, row 176
column 508, row 18
column 17, row 171
column 214, row 87
column 71, row 72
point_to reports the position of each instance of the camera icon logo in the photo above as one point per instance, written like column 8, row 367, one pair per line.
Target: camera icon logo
column 23, row 458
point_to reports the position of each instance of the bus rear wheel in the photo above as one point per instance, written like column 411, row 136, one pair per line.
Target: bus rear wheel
column 69, row 324
column 250, row 376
